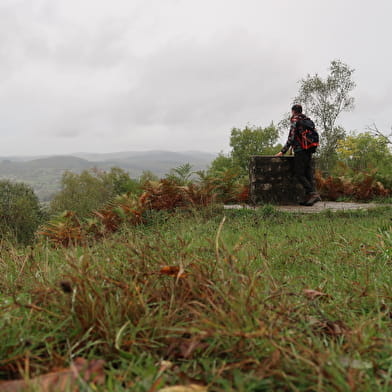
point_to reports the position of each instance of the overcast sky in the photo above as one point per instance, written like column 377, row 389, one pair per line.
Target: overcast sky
column 105, row 76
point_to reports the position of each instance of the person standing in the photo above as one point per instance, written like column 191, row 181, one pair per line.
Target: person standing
column 303, row 142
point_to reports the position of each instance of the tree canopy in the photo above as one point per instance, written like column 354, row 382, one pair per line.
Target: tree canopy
column 324, row 100
column 252, row 141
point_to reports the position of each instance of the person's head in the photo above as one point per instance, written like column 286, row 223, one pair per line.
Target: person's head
column 296, row 109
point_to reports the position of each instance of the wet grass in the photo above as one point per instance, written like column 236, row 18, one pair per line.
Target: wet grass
column 253, row 301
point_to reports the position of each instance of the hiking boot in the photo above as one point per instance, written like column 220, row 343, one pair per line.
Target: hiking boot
column 314, row 198
column 305, row 201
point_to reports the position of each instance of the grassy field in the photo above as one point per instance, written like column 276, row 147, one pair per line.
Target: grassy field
column 232, row 300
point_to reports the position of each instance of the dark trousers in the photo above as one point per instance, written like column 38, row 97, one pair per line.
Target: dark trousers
column 304, row 170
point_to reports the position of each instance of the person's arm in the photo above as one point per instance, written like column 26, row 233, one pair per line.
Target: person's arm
column 290, row 140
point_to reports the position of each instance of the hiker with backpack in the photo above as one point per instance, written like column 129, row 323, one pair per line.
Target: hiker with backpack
column 303, row 139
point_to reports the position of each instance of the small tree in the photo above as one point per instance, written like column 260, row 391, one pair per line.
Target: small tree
column 252, row 141
column 220, row 164
column 325, row 100
column 20, row 212
column 89, row 190
column 120, row 181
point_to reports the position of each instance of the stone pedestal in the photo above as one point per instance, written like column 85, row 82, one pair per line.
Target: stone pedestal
column 272, row 180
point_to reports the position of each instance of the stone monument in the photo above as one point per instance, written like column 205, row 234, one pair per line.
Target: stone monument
column 272, row 180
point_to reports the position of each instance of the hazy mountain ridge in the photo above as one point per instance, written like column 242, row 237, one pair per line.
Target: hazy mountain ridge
column 44, row 173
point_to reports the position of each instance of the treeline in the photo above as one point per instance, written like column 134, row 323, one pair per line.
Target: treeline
column 349, row 166
column 95, row 197
column 96, row 202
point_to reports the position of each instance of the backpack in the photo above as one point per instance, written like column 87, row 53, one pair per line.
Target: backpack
column 308, row 137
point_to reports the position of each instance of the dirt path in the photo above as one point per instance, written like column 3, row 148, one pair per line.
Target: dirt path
column 320, row 206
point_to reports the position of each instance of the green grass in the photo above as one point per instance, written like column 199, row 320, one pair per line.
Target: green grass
column 237, row 320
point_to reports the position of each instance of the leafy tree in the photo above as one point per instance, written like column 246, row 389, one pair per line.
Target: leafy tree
column 324, row 100
column 220, row 164
column 20, row 212
column 252, row 141
column 89, row 190
column 81, row 193
column 120, row 181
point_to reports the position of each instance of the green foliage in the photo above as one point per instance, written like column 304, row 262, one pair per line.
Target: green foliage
column 147, row 176
column 20, row 212
column 252, row 141
column 221, row 163
column 89, row 190
column 385, row 244
column 366, row 152
column 81, row 193
column 326, row 154
column 120, row 181
column 225, row 184
column 245, row 142
column 180, row 175
column 324, row 100
column 227, row 179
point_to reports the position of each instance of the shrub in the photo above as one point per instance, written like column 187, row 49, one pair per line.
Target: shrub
column 365, row 153
column 20, row 212
column 363, row 187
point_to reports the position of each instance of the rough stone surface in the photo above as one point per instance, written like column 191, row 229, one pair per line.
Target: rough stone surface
column 272, row 180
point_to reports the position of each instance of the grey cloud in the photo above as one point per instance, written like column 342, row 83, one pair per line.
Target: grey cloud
column 80, row 48
column 148, row 74
column 40, row 34
column 68, row 132
column 205, row 83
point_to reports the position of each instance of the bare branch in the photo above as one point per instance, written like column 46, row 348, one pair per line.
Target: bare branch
column 375, row 131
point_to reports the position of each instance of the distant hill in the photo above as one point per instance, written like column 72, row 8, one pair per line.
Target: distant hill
column 60, row 162
column 158, row 162
column 44, row 173
column 127, row 154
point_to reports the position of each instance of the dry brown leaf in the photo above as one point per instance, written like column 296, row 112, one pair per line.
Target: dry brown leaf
column 185, row 347
column 313, row 321
column 336, row 328
column 170, row 270
column 313, row 294
column 266, row 366
column 62, row 380
column 328, row 327
column 185, row 388
column 173, row 270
